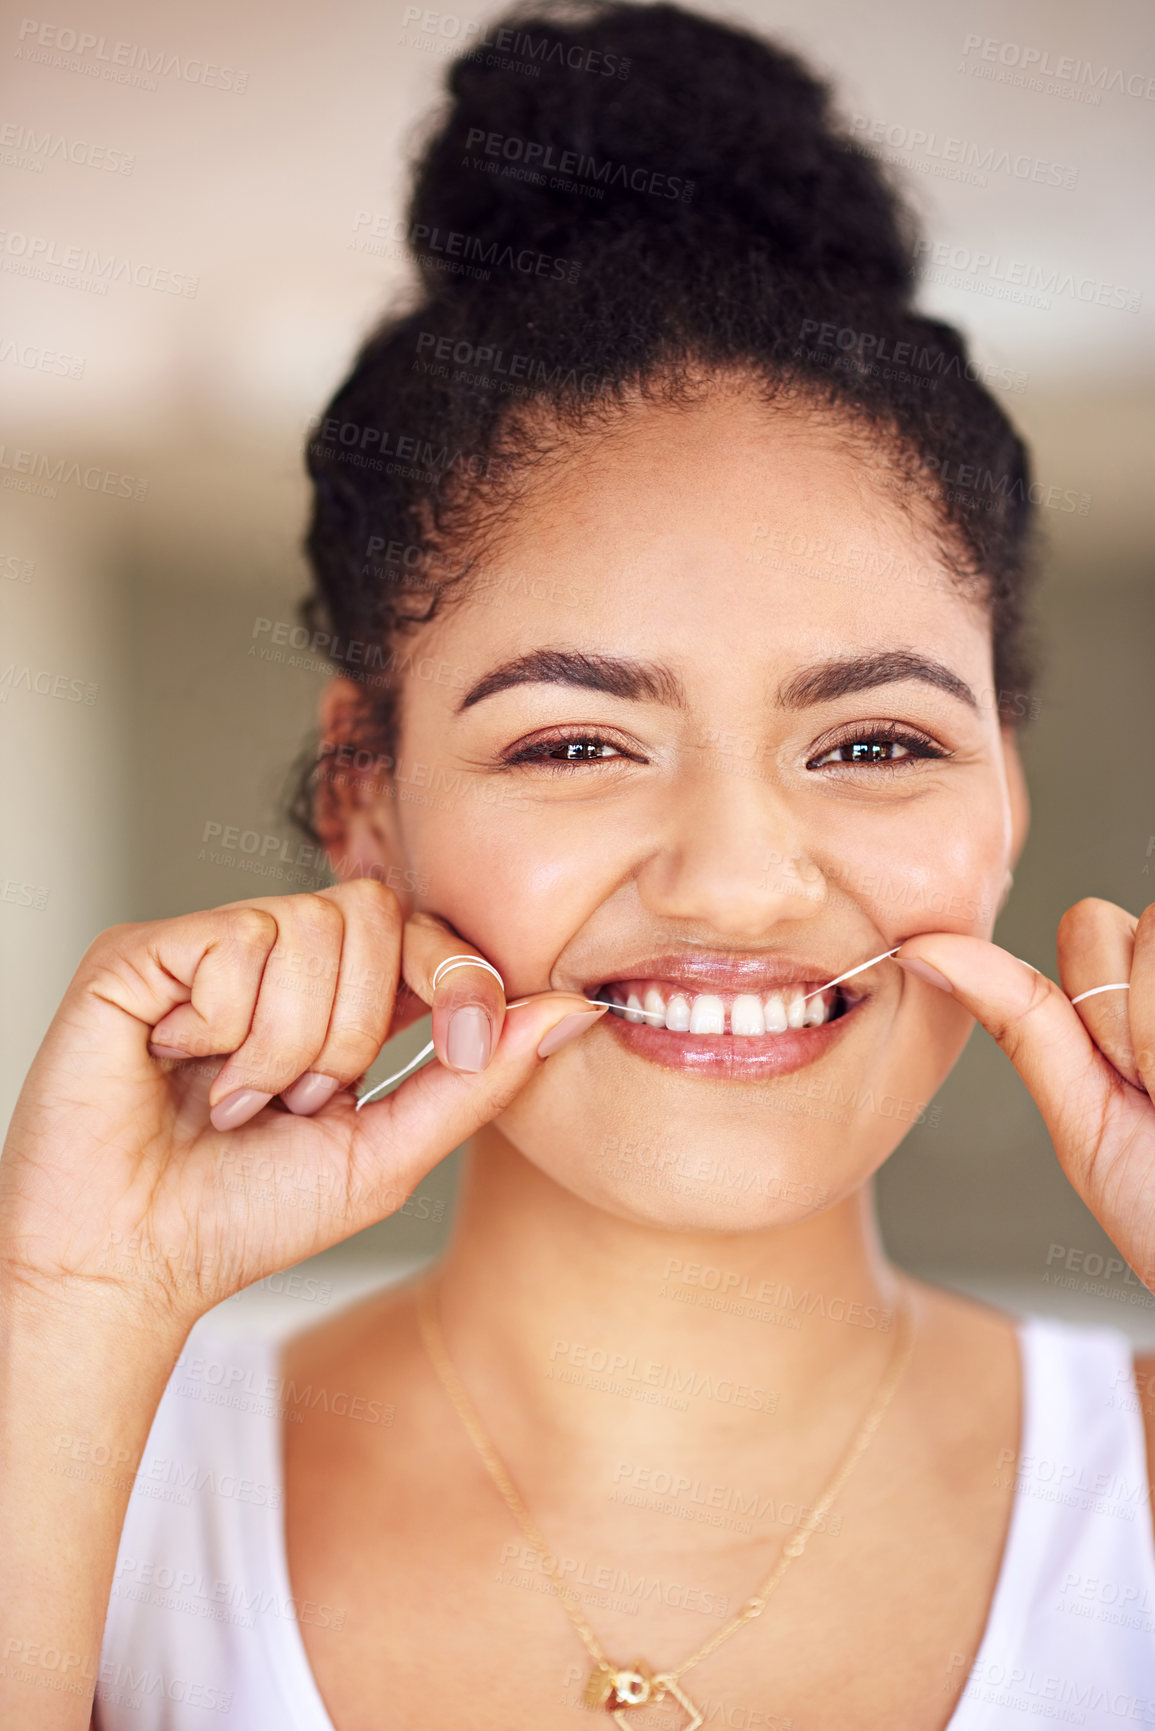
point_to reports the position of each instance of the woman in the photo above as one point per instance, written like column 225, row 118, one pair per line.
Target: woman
column 681, row 570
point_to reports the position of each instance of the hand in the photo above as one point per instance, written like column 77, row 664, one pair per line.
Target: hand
column 174, row 1180
column 1090, row 1066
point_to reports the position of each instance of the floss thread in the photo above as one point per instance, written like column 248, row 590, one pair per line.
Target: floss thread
column 452, row 962
column 1115, row 986
column 463, row 961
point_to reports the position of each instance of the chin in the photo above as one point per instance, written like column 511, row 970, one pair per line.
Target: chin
column 729, row 1133
column 703, row 1170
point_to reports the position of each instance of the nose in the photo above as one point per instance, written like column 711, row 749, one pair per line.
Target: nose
column 731, row 856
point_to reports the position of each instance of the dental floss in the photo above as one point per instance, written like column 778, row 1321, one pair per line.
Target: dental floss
column 610, row 1005
column 426, row 1052
column 422, row 1057
column 465, row 961
column 451, row 962
column 444, row 967
column 850, row 973
column 1115, row 986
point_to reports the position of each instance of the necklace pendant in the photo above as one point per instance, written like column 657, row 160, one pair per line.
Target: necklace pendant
column 664, row 1686
column 599, row 1686
column 618, row 1688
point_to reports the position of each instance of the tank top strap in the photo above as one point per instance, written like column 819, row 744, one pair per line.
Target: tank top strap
column 1071, row 1631
column 201, row 1617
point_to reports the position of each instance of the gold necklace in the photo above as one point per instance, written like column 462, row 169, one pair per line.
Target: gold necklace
column 619, row 1687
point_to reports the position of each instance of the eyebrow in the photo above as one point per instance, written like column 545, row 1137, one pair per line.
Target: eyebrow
column 642, row 681
column 829, row 679
column 648, row 681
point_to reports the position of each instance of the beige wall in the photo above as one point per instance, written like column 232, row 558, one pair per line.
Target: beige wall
column 205, row 396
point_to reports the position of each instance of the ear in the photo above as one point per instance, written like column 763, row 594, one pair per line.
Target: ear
column 355, row 806
column 1019, row 797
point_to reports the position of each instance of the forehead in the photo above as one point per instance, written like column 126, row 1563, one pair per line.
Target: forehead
column 729, row 529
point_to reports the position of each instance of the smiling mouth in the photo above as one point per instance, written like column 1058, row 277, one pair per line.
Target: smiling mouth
column 753, row 1031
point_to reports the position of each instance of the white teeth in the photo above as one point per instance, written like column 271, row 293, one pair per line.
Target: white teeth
column 707, row 1015
column 749, row 1015
column 746, row 1015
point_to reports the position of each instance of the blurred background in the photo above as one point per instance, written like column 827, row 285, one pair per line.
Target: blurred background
column 185, row 275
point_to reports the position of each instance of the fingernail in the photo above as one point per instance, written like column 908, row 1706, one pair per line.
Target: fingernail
column 167, row 1051
column 924, row 971
column 467, row 1047
column 568, row 1029
column 236, row 1109
column 309, row 1093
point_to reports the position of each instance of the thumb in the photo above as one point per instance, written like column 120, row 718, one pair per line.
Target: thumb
column 1033, row 1021
column 404, row 1135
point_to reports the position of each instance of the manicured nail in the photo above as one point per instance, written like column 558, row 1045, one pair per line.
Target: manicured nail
column 309, row 1093
column 568, row 1029
column 924, row 971
column 469, row 1041
column 236, row 1109
column 167, row 1051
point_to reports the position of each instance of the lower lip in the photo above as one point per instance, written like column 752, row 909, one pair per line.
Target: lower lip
column 730, row 1057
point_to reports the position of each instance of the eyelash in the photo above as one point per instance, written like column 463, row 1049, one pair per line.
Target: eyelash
column 917, row 746
column 536, row 753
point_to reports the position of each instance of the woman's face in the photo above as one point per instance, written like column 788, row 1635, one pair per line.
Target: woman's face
column 715, row 724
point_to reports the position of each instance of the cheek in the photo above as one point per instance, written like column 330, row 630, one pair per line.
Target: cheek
column 512, row 882
column 928, row 870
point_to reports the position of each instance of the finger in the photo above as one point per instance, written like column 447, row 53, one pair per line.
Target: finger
column 1034, row 1023
column 1141, row 998
column 366, row 989
column 220, row 956
column 195, row 979
column 397, row 1140
column 292, row 1013
column 468, row 1001
column 373, row 1159
column 1096, row 943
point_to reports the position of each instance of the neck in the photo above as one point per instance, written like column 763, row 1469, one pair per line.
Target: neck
column 635, row 1341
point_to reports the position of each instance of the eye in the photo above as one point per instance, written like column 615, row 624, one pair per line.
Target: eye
column 559, row 751
column 885, row 746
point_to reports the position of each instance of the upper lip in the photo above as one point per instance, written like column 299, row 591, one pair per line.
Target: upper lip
column 723, row 971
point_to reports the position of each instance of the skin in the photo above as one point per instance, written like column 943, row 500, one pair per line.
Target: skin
column 740, row 849
column 673, row 846
column 594, row 1171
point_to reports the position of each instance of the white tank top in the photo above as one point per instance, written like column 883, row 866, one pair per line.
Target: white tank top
column 202, row 1626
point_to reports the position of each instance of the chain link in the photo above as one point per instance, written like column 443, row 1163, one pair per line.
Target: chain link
column 434, row 1343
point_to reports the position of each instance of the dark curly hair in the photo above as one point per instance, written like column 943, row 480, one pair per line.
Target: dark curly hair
column 626, row 200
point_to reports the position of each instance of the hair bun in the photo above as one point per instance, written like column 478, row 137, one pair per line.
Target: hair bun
column 643, row 128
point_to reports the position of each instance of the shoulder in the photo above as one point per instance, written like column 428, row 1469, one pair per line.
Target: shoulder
column 1079, row 1369
column 969, row 1343
column 371, row 1333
